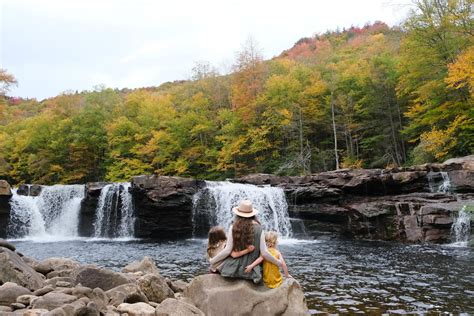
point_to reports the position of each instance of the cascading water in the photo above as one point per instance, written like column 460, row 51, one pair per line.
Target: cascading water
column 54, row 214
column 439, row 182
column 114, row 213
column 212, row 206
column 461, row 228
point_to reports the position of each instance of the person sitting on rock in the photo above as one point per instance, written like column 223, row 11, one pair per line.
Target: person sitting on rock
column 271, row 273
column 216, row 243
column 245, row 231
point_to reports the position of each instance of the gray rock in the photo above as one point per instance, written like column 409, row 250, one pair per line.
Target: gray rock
column 6, row 244
column 9, row 292
column 174, row 307
column 43, row 290
column 17, row 306
column 178, row 285
column 53, row 281
column 5, row 309
column 126, row 293
column 155, row 287
column 25, row 299
column 91, row 276
column 136, row 309
column 52, row 300
column 212, row 293
column 146, row 265
column 14, row 269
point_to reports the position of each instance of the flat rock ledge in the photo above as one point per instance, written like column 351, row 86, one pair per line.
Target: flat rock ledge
column 60, row 286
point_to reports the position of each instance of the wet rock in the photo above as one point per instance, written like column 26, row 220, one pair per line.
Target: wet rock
column 6, row 244
column 212, row 294
column 52, row 300
column 164, row 206
column 126, row 293
column 155, row 287
column 14, row 269
column 9, row 292
column 29, row 190
column 174, row 307
column 136, row 309
column 91, row 276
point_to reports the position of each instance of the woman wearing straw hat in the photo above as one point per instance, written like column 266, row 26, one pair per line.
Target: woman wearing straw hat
column 245, row 231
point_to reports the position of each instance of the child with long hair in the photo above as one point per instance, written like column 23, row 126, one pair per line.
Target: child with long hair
column 217, row 240
column 271, row 273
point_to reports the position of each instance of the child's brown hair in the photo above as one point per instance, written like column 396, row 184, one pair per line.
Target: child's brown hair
column 216, row 235
column 271, row 238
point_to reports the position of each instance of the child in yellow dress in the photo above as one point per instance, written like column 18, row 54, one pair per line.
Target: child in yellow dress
column 271, row 273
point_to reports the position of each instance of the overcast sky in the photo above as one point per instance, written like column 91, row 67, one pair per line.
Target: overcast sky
column 53, row 46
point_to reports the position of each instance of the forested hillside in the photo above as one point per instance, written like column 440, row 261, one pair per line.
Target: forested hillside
column 374, row 96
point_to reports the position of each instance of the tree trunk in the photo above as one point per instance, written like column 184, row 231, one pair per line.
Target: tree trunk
column 334, row 130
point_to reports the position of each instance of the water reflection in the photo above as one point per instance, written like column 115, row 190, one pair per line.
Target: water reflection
column 337, row 276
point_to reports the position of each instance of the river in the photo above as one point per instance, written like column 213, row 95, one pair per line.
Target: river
column 337, row 276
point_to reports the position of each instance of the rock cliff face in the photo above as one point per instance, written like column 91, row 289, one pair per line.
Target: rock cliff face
column 163, row 206
column 412, row 204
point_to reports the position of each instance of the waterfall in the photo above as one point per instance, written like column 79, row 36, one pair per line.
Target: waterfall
column 439, row 182
column 114, row 214
column 461, row 228
column 213, row 205
column 53, row 214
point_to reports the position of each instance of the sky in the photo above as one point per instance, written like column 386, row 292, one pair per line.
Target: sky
column 53, row 46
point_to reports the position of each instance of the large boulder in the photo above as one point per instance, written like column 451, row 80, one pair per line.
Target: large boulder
column 14, row 269
column 91, row 276
column 9, row 292
column 155, row 287
column 174, row 307
column 215, row 295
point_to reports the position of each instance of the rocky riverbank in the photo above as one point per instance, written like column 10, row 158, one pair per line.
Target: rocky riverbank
column 60, row 286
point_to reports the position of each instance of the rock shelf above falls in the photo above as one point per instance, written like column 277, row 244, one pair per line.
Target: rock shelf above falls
column 413, row 204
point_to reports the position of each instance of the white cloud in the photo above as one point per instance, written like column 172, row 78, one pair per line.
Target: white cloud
column 79, row 44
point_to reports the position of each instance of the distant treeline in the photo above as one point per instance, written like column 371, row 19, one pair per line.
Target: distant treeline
column 361, row 97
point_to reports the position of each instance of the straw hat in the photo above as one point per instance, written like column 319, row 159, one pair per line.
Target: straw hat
column 245, row 209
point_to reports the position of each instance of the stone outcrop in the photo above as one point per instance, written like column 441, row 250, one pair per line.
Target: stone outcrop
column 163, row 206
column 14, row 269
column 388, row 204
column 215, row 295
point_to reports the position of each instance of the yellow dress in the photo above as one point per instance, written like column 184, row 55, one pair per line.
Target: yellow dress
column 271, row 273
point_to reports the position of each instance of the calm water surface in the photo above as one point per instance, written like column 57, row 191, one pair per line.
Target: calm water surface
column 346, row 277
